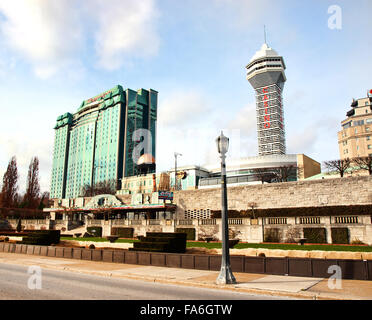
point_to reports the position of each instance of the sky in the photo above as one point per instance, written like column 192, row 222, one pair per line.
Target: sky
column 56, row 53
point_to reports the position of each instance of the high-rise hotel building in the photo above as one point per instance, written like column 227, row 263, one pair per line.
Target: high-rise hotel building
column 96, row 143
column 265, row 72
column 355, row 138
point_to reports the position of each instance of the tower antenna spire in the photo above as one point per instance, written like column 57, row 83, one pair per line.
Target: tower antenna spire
column 265, row 34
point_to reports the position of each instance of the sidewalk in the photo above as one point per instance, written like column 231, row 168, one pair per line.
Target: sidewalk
column 295, row 287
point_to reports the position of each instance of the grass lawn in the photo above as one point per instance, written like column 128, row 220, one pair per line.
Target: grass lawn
column 218, row 245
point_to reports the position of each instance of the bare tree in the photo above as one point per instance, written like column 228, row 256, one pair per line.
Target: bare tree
column 364, row 163
column 338, row 165
column 9, row 189
column 264, row 175
column 44, row 201
column 32, row 196
column 283, row 173
column 104, row 187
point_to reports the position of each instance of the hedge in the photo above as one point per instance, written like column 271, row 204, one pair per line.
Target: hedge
column 42, row 237
column 96, row 231
column 123, row 232
column 191, row 235
column 162, row 242
column 272, row 235
column 315, row 235
column 300, row 211
column 340, row 235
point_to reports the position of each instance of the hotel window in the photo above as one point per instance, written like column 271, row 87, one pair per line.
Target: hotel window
column 369, row 146
column 367, row 129
column 368, row 138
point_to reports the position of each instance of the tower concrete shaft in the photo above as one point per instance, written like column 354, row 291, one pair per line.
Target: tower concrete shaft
column 265, row 73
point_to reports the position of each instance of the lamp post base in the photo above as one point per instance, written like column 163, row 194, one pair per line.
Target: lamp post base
column 226, row 276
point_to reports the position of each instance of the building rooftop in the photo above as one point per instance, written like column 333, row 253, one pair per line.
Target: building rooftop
column 265, row 51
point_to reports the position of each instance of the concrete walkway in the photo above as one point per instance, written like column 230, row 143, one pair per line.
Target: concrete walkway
column 295, row 287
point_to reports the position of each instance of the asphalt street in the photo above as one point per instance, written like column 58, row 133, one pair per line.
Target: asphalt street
column 21, row 283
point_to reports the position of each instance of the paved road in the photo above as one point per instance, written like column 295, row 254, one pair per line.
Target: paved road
column 65, row 285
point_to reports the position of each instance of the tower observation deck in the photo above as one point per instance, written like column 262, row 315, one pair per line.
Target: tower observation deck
column 265, row 72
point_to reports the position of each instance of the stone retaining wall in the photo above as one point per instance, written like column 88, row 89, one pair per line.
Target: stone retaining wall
column 325, row 192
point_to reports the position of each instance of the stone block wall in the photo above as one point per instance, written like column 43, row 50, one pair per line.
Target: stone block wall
column 325, row 192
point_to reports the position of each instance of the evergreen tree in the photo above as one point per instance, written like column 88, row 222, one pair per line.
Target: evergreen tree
column 32, row 196
column 9, row 195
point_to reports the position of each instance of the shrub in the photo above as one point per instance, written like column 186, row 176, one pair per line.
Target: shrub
column 162, row 242
column 357, row 242
column 112, row 239
column 42, row 237
column 96, row 231
column 315, row 235
column 292, row 235
column 189, row 231
column 123, row 232
column 340, row 235
column 272, row 235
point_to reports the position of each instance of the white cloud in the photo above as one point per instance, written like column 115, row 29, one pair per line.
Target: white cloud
column 125, row 29
column 52, row 34
column 245, row 120
column 183, row 108
column 47, row 33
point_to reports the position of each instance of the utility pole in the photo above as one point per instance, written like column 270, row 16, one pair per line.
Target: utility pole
column 175, row 170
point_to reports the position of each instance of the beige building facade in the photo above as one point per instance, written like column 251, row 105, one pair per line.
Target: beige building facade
column 355, row 138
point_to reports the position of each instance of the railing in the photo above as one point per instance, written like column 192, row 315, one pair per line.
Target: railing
column 118, row 222
column 154, row 222
column 235, row 221
column 204, row 222
column 276, row 220
column 187, row 222
column 59, row 221
column 309, row 220
column 346, row 219
column 28, row 221
column 94, row 222
column 136, row 222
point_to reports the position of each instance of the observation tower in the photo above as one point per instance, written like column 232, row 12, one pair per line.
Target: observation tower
column 265, row 72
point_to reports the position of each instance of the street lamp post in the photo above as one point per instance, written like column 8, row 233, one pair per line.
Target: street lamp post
column 175, row 170
column 226, row 276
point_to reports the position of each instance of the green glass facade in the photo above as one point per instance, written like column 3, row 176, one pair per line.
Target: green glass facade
column 95, row 144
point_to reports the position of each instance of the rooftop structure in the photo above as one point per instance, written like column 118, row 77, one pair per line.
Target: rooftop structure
column 355, row 138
